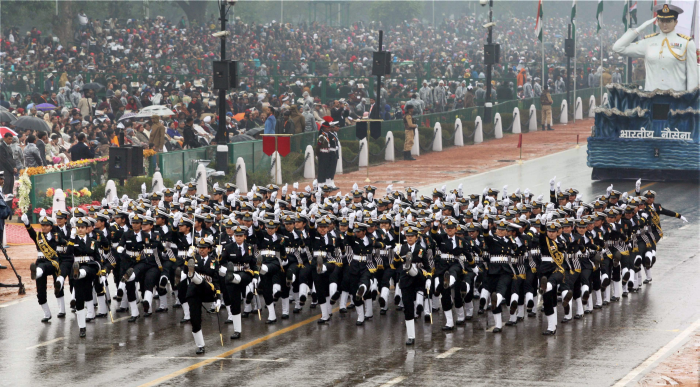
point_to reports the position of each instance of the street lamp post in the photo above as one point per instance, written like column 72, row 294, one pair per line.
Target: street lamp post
column 220, row 138
column 489, row 67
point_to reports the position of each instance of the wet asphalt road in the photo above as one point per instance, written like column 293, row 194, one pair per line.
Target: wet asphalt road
column 597, row 350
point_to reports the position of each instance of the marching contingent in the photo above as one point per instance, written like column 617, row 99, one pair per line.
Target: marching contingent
column 446, row 250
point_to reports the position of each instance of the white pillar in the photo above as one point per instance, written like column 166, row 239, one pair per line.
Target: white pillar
column 478, row 131
column 364, row 153
column 578, row 109
column 437, row 144
column 59, row 201
column 459, row 133
column 564, row 116
column 498, row 126
column 241, row 177
column 605, row 100
column 111, row 191
column 339, row 164
column 389, row 151
column 276, row 171
column 591, row 107
column 157, row 182
column 415, row 151
column 516, row 121
column 310, row 164
column 201, row 180
column 532, row 125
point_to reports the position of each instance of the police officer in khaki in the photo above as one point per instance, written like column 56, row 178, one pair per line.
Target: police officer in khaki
column 410, row 131
column 670, row 58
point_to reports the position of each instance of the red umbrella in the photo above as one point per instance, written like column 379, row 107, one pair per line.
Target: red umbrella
column 4, row 129
column 239, row 116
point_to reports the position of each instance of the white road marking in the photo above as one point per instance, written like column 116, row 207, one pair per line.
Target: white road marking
column 46, row 343
column 15, row 302
column 669, row 380
column 394, row 381
column 448, row 353
column 280, row 360
column 644, row 367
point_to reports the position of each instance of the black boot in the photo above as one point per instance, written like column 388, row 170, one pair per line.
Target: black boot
column 544, row 128
column 549, row 127
column 407, row 155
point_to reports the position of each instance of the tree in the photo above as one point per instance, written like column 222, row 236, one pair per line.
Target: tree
column 195, row 11
column 391, row 13
column 62, row 25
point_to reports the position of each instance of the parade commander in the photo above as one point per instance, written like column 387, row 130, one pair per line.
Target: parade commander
column 670, row 58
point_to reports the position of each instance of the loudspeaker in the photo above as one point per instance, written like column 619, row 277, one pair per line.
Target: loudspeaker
column 375, row 129
column 119, row 162
column 137, row 162
column 233, row 74
column 221, row 74
column 569, row 47
column 492, row 54
column 381, row 63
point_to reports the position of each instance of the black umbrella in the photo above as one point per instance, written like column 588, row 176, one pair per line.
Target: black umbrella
column 6, row 116
column 33, row 123
column 254, row 131
column 92, row 86
column 241, row 138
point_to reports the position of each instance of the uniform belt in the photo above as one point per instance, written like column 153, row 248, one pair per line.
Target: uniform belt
column 448, row 257
column 133, row 253
column 268, row 253
column 238, row 267
column 534, row 251
column 383, row 253
column 115, row 245
column 546, row 259
column 83, row 258
column 61, row 249
column 324, row 150
column 181, row 253
column 148, row 251
column 360, row 258
column 514, row 260
column 500, row 259
column 39, row 254
column 290, row 249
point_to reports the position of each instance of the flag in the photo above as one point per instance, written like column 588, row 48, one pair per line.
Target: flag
column 598, row 13
column 538, row 24
column 633, row 14
column 520, row 141
column 625, row 14
column 573, row 22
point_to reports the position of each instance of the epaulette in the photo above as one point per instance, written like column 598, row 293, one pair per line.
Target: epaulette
column 651, row 35
column 686, row 37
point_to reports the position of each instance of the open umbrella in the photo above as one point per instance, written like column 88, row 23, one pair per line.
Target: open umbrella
column 33, row 123
column 4, row 129
column 6, row 116
column 155, row 110
column 239, row 116
column 254, row 131
column 126, row 116
column 45, row 107
column 92, row 86
column 241, row 138
column 206, row 115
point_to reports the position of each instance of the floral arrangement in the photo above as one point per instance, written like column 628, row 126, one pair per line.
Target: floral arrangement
column 25, row 187
column 62, row 167
column 148, row 153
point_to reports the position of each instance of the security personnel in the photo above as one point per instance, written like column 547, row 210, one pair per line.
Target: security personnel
column 294, row 246
column 415, row 268
column 85, row 268
column 324, row 150
column 148, row 267
column 670, row 58
column 203, row 269
column 270, row 254
column 47, row 263
column 551, row 269
column 131, row 245
column 326, row 251
column 501, row 250
column 183, row 238
column 168, row 260
column 241, row 265
column 117, row 228
column 65, row 258
column 362, row 265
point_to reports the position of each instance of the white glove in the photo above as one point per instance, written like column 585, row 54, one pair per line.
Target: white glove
column 389, row 188
column 559, row 186
column 456, row 209
column 549, row 216
column 25, row 219
column 190, row 252
column 231, row 199
column 684, row 219
column 273, row 197
column 120, row 249
column 428, row 283
column 293, row 198
column 183, row 192
column 485, row 224
column 73, row 220
column 125, row 198
column 505, row 191
column 222, row 270
column 517, row 191
column 318, row 197
column 460, row 191
column 624, row 196
column 284, row 189
column 550, row 206
column 609, row 189
column 637, row 185
column 397, row 249
column 218, row 304
column 568, row 205
column 219, row 249
column 480, row 207
column 645, row 215
column 485, row 191
column 315, row 184
column 303, row 203
column 551, row 183
column 470, row 206
column 73, row 232
column 397, row 220
column 370, row 196
column 644, row 25
column 438, row 216
column 539, row 197
column 307, row 189
column 579, row 212
column 295, row 185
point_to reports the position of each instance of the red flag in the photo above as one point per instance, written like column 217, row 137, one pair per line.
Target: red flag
column 268, row 145
column 283, row 145
column 520, row 141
